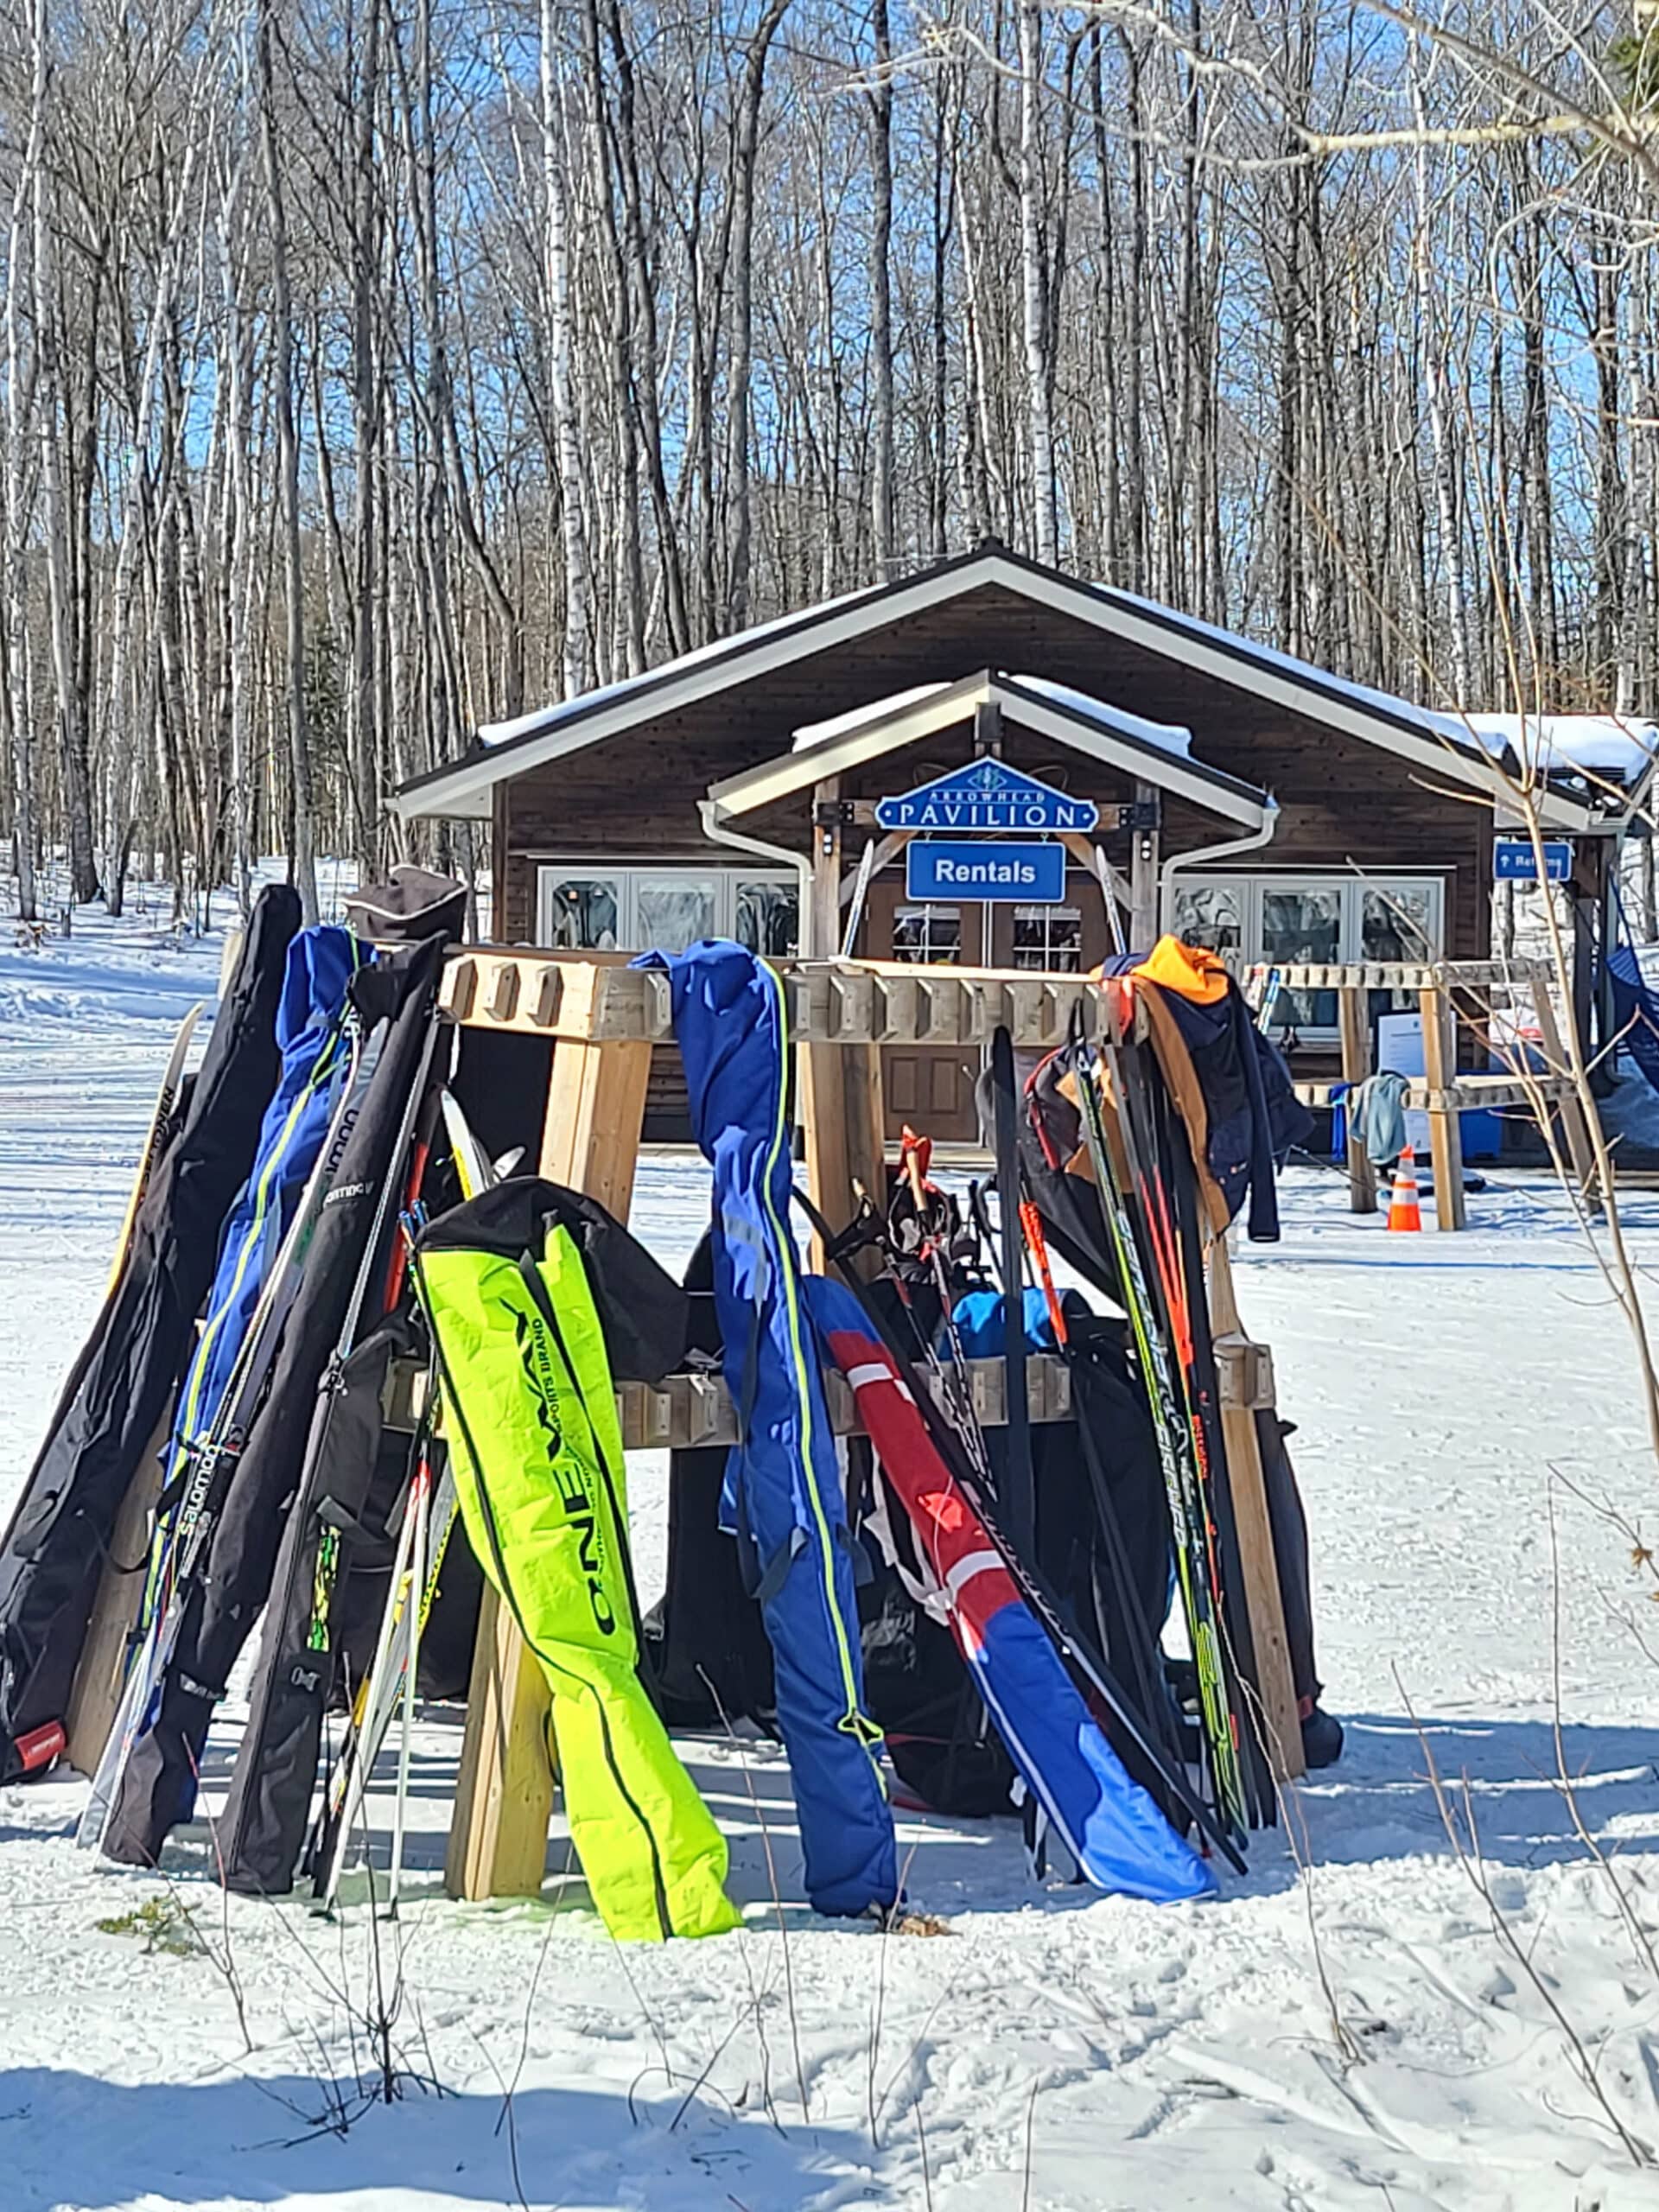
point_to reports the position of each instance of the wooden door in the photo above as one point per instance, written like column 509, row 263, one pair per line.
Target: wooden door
column 931, row 1087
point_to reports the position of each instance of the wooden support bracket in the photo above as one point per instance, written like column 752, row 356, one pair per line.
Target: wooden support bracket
column 498, row 1835
column 1444, row 1127
column 1245, row 1376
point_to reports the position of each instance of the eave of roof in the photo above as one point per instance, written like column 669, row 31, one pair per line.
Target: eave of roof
column 1435, row 744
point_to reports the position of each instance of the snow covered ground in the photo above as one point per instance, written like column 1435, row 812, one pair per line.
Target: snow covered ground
column 1355, row 2025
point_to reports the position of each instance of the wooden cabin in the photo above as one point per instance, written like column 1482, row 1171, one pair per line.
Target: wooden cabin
column 1280, row 812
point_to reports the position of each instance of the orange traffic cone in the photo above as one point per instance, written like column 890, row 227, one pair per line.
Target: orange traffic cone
column 1403, row 1211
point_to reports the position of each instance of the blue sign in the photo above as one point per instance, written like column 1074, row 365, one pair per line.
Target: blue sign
column 1514, row 861
column 987, row 796
column 941, row 868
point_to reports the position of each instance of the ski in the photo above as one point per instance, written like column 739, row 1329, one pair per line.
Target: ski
column 410, row 1600
column 1088, row 1668
column 1173, row 1431
column 1142, row 1636
column 1166, row 1190
column 473, row 1165
column 1021, row 1500
column 179, row 1545
column 155, row 1138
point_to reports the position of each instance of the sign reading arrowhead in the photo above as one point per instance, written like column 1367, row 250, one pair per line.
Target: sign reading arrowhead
column 987, row 796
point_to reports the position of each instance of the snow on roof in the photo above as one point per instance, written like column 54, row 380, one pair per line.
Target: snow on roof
column 874, row 710
column 1607, row 748
column 1451, row 726
column 543, row 719
column 1169, row 737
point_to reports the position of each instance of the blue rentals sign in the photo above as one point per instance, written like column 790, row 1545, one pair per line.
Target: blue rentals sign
column 986, row 797
column 1514, row 860
column 943, row 868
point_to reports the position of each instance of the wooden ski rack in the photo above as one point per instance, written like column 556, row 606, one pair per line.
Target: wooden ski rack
column 596, row 998
column 1444, row 1092
column 600, row 1018
column 685, row 1412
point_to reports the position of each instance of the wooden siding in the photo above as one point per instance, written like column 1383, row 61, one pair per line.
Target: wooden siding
column 1344, row 803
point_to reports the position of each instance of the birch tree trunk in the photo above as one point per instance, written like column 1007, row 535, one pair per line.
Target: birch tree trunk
column 880, row 281
column 52, row 417
column 1435, row 360
column 20, row 731
column 576, row 654
column 1034, row 285
column 301, row 858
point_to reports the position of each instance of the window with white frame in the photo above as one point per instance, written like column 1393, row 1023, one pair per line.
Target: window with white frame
column 927, row 936
column 596, row 906
column 1312, row 920
column 1049, row 937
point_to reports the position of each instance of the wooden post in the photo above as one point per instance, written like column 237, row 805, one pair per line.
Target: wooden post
column 1245, row 1374
column 1145, row 846
column 1355, row 1066
column 97, row 1690
column 1444, row 1130
column 1574, row 1124
column 503, row 1795
column 841, row 1103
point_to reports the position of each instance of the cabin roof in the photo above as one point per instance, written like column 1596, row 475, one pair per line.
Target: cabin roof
column 1442, row 746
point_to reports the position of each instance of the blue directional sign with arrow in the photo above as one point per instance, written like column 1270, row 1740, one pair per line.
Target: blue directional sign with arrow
column 986, row 797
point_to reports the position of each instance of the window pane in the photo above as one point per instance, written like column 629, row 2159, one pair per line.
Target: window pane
column 1048, row 937
column 673, row 911
column 583, row 913
column 927, row 935
column 768, row 919
column 1210, row 914
column 1399, row 921
column 1303, row 925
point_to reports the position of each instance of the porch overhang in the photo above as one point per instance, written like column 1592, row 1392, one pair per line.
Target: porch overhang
column 1089, row 727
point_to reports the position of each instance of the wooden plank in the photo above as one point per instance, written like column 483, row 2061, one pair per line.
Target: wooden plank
column 598, row 997
column 840, row 1082
column 1444, row 1130
column 498, row 1834
column 1355, row 1066
column 503, row 1791
column 1245, row 1376
column 1574, row 1120
column 1145, row 845
column 97, row 1690
column 684, row 1412
column 1468, row 1092
column 1387, row 975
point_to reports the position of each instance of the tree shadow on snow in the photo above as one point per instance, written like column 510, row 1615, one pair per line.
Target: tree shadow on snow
column 71, row 2139
column 1377, row 1802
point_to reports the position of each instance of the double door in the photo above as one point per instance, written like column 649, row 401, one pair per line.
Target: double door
column 931, row 1087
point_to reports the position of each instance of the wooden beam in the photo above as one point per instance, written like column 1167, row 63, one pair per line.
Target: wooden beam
column 498, row 1834
column 1445, row 1128
column 840, row 1093
column 692, row 1411
column 1355, row 1066
column 1574, row 1120
column 1145, row 846
column 1245, row 1376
